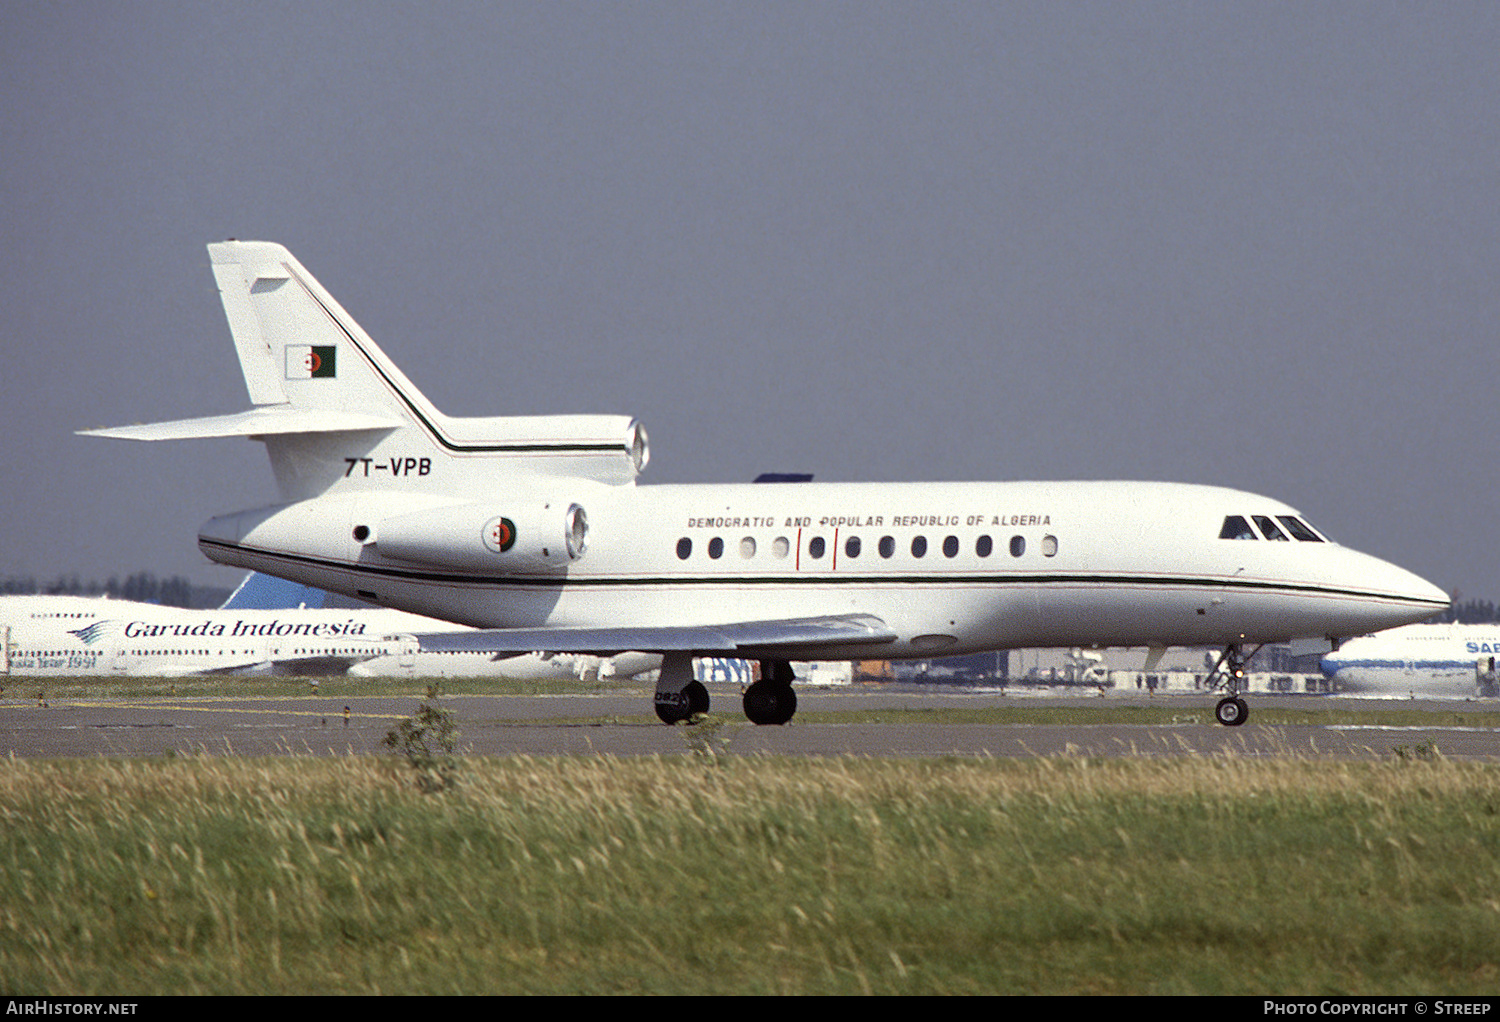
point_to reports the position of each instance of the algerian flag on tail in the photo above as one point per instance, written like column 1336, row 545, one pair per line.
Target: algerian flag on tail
column 310, row 361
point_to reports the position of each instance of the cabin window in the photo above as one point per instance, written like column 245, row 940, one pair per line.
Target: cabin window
column 684, row 548
column 1268, row 528
column 984, row 546
column 887, row 546
column 1049, row 546
column 1017, row 546
column 919, row 546
column 1299, row 530
column 781, row 546
column 716, row 548
column 851, row 546
column 1236, row 527
column 815, row 547
column 747, row 547
column 950, row 546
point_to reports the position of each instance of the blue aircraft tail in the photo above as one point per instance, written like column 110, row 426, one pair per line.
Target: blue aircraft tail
column 266, row 592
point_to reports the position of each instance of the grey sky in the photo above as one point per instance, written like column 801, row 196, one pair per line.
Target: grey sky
column 1243, row 244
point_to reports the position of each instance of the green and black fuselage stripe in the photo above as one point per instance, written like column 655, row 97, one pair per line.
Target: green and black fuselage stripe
column 576, row 582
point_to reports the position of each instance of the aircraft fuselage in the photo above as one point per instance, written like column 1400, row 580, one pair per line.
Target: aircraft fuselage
column 950, row 567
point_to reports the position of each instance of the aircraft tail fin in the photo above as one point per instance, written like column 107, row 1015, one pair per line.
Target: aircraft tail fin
column 308, row 366
column 335, row 412
column 266, row 592
column 296, row 344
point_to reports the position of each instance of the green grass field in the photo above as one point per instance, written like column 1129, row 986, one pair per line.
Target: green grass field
column 693, row 874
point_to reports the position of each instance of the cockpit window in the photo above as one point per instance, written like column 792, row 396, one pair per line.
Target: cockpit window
column 1236, row 527
column 1268, row 528
column 1298, row 529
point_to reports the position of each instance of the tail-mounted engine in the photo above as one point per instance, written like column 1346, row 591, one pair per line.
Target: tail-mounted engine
column 487, row 537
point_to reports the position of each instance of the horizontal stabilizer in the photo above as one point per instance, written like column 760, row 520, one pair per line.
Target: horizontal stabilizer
column 273, row 420
column 726, row 639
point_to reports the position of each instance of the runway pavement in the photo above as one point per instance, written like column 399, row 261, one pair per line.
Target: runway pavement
column 616, row 723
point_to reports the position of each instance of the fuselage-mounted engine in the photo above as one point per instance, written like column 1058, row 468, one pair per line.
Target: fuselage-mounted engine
column 498, row 536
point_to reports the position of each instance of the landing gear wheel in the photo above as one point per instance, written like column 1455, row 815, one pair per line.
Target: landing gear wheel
column 1232, row 712
column 769, row 703
column 1229, row 675
column 670, row 714
column 693, row 699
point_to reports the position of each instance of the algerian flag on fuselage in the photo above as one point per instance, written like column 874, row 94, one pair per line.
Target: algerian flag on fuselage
column 310, row 361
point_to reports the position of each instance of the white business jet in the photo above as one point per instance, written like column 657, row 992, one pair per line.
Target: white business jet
column 533, row 530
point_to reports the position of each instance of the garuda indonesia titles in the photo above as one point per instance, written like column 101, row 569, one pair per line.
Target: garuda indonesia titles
column 267, row 627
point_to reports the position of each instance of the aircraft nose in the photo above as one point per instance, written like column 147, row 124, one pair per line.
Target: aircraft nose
column 1419, row 590
column 1432, row 592
column 1409, row 597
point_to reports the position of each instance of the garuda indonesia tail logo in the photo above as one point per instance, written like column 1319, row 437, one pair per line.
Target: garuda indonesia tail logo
column 92, row 634
column 310, row 361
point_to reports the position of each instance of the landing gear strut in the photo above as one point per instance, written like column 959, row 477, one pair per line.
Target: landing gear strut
column 1231, row 711
column 678, row 694
column 771, row 699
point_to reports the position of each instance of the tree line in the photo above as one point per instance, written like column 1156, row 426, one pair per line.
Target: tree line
column 1469, row 612
column 142, row 587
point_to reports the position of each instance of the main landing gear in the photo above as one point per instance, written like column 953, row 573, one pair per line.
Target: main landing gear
column 679, row 696
column 771, row 699
column 1231, row 711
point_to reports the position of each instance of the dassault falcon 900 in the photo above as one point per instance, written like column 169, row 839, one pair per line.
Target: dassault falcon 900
column 534, row 531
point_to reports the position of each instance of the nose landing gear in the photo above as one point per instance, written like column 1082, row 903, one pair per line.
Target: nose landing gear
column 1231, row 711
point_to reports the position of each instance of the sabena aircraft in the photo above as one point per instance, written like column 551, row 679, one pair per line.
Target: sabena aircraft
column 1449, row 661
column 534, row 531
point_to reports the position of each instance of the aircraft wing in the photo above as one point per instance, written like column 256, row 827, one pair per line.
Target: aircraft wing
column 293, row 667
column 732, row 639
column 247, row 665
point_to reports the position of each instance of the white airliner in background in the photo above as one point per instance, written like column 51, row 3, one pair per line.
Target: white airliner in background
column 67, row 636
column 261, row 629
column 1451, row 661
column 533, row 530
